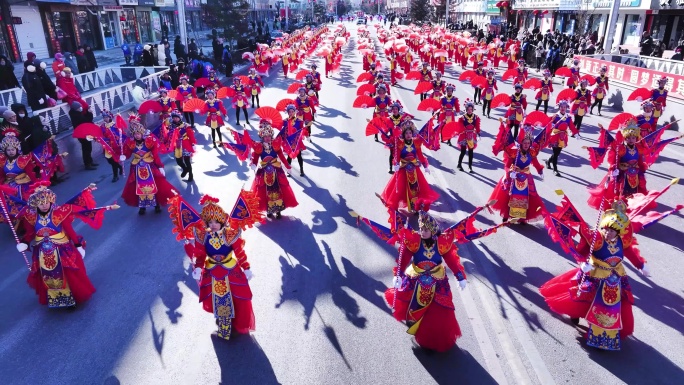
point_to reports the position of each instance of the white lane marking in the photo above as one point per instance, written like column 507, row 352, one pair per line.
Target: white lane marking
column 504, row 338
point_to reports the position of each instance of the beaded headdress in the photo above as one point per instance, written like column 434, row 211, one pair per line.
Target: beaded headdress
column 211, row 211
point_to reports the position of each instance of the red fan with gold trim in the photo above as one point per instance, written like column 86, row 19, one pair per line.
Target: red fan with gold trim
column 567, row 94
column 501, row 100
column 366, row 89
column 364, row 101
column 270, row 114
column 282, row 105
column 197, row 106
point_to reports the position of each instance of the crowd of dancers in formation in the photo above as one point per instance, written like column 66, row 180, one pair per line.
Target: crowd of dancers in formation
column 598, row 290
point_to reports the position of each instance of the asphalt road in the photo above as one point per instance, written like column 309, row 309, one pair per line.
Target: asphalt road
column 319, row 279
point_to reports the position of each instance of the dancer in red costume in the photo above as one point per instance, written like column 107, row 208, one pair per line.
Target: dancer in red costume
column 182, row 143
column 488, row 93
column 516, row 195
column 521, row 76
column 574, row 79
column 469, row 127
column 422, row 296
column 659, row 98
column 544, row 93
column 215, row 113
column 217, row 252
column 600, row 91
column 581, row 104
column 186, row 92
column 146, row 185
column 450, row 107
column 561, row 123
column 480, row 71
column 112, row 143
column 407, row 188
column 270, row 183
column 255, row 84
column 382, row 103
column 16, row 173
column 240, row 101
column 57, row 273
column 626, row 170
column 516, row 110
column 599, row 290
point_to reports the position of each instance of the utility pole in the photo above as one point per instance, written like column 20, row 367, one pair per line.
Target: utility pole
column 182, row 25
column 287, row 14
column 612, row 21
column 446, row 18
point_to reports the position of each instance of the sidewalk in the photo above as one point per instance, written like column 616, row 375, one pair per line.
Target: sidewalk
column 113, row 57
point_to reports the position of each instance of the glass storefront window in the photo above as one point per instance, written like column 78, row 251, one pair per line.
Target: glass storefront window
column 129, row 29
column 85, row 30
column 632, row 30
column 64, row 31
column 145, row 25
column 108, row 25
column 678, row 31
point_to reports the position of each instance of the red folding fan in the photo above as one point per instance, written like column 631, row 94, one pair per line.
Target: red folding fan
column 501, row 100
column 366, row 89
column 364, row 101
column 197, row 106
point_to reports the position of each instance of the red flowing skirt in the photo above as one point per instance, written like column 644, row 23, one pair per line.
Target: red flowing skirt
column 244, row 320
column 286, row 194
column 560, row 293
column 438, row 329
column 396, row 193
column 164, row 188
column 535, row 209
column 76, row 276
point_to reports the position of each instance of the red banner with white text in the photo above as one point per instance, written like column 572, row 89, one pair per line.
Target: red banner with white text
column 634, row 76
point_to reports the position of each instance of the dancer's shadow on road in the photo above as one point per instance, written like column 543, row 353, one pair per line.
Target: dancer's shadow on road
column 635, row 363
column 454, row 366
column 243, row 351
column 323, row 158
column 230, row 164
column 324, row 220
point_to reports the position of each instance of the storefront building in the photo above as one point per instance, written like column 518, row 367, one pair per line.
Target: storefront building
column 533, row 14
column 192, row 15
column 667, row 22
column 472, row 10
column 9, row 47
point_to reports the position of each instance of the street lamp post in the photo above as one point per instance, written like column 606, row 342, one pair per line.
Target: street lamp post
column 612, row 21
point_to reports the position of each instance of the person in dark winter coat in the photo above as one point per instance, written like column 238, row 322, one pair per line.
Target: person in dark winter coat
column 175, row 76
column 179, row 49
column 81, row 61
column 137, row 54
column 193, row 52
column 35, row 93
column 90, row 56
column 48, row 85
column 79, row 116
column 227, row 59
column 147, row 59
column 24, row 125
column 70, row 62
column 30, row 57
column 7, row 78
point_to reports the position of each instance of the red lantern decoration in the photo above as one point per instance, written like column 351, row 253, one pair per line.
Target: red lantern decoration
column 546, row 11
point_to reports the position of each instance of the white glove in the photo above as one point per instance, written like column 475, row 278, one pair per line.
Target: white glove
column 645, row 270
column 395, row 167
column 89, row 138
column 41, row 101
column 122, row 158
column 462, row 284
column 161, row 171
column 249, row 274
column 396, row 282
column 197, row 273
column 427, row 170
column 586, row 267
column 615, row 173
column 512, row 174
column 253, row 167
column 81, row 251
column 21, row 247
column 288, row 171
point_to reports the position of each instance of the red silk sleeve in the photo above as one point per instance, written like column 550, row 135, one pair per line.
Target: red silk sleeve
column 200, row 255
column 634, row 256
column 155, row 153
column 452, row 260
column 191, row 135
column 222, row 108
column 523, row 101
column 69, row 230
column 281, row 156
column 239, row 250
column 537, row 165
column 419, row 153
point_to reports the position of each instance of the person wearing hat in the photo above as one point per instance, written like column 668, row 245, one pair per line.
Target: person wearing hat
column 8, row 79
column 270, row 183
column 479, row 71
column 544, row 93
column 10, row 125
column 112, row 143
column 215, row 113
column 146, row 185
column 181, row 139
column 66, row 83
column 81, row 60
column 221, row 269
column 48, row 85
column 186, row 92
column 407, row 188
column 426, row 76
column 147, row 59
column 488, row 92
column 574, row 79
column 659, row 98
column 35, row 93
column 17, row 171
column 516, row 194
column 240, row 101
column 581, row 104
column 30, row 57
column 382, row 103
column 421, row 295
column 57, row 272
column 521, row 73
column 467, row 138
column 626, row 171
column 79, row 116
column 599, row 290
column 561, row 123
column 316, row 77
column 516, row 110
column 255, row 84
column 647, row 122
column 450, row 107
column 600, row 90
